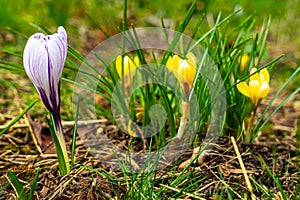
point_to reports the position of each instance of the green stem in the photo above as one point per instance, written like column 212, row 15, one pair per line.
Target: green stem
column 250, row 124
column 183, row 119
column 249, row 128
column 60, row 144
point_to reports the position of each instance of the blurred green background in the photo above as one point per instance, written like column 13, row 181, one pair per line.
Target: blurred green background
column 19, row 14
column 19, row 19
column 51, row 12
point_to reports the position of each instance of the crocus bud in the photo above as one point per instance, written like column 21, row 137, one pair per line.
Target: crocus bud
column 184, row 69
column 44, row 58
column 126, row 70
column 128, row 64
column 243, row 61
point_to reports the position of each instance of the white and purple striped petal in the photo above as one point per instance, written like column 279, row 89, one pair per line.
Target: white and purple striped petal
column 44, row 58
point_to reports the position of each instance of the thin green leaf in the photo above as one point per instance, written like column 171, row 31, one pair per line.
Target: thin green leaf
column 17, row 185
column 18, row 117
column 276, row 180
column 264, row 41
column 33, row 184
column 3, row 187
column 180, row 30
column 258, row 127
column 74, row 136
column 275, row 110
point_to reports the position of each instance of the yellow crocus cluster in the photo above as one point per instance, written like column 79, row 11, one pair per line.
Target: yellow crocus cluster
column 258, row 87
column 128, row 64
column 184, row 69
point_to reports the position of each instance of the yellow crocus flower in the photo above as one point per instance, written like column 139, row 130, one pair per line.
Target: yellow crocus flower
column 128, row 64
column 184, row 69
column 244, row 60
column 258, row 87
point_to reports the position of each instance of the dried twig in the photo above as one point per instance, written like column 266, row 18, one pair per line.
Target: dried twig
column 248, row 183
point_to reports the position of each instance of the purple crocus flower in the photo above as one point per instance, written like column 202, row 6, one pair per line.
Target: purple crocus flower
column 44, row 58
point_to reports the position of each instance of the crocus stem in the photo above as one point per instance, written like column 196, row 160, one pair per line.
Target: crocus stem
column 183, row 120
column 249, row 128
column 250, row 124
column 62, row 143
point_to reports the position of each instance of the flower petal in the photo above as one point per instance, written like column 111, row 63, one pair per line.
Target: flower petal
column 57, row 48
column 128, row 65
column 264, row 90
column 187, row 71
column 264, row 75
column 254, row 76
column 136, row 61
column 175, row 62
column 35, row 59
column 192, row 58
column 244, row 61
column 243, row 88
column 119, row 65
column 170, row 63
column 131, row 63
column 254, row 87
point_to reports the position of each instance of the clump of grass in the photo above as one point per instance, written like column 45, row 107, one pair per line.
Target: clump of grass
column 18, row 187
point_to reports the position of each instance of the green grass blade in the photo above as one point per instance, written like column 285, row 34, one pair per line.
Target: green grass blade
column 276, row 180
column 33, row 184
column 18, row 117
column 97, row 26
column 3, row 187
column 258, row 127
column 124, row 27
column 192, row 161
column 275, row 110
column 17, row 185
column 260, row 187
column 74, row 137
column 169, row 111
column 264, row 41
column 213, row 29
column 75, row 54
column 73, row 145
column 181, row 28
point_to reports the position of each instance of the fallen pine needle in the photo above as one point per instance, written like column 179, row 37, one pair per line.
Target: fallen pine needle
column 248, row 183
column 185, row 193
